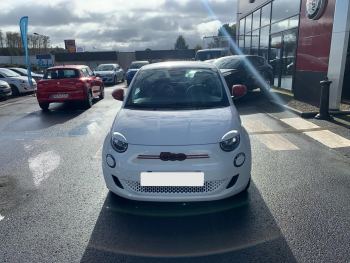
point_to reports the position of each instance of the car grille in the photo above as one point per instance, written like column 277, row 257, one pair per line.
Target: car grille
column 209, row 186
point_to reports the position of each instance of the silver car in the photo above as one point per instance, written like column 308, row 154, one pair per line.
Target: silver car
column 110, row 73
column 5, row 90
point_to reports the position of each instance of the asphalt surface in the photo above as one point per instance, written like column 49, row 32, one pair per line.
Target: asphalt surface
column 54, row 206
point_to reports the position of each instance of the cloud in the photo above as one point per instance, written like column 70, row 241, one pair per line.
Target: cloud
column 117, row 24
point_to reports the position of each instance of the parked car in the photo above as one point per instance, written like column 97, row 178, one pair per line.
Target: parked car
column 238, row 70
column 177, row 137
column 110, row 73
column 5, row 90
column 134, row 67
column 19, row 84
column 75, row 83
column 212, row 53
column 23, row 72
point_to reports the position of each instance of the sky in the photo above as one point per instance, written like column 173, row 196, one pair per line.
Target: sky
column 124, row 25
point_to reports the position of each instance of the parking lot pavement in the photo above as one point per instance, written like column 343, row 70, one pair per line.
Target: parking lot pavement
column 54, row 206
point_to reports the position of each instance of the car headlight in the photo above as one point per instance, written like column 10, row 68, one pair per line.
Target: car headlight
column 118, row 142
column 230, row 141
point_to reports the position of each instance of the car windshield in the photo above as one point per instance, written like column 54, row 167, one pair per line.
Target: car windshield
column 9, row 73
column 22, row 71
column 178, row 89
column 105, row 68
column 228, row 63
column 61, row 74
column 137, row 65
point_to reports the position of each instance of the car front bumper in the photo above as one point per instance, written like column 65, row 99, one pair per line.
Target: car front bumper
column 218, row 169
column 5, row 92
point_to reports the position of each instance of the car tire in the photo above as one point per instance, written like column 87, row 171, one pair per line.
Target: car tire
column 15, row 91
column 102, row 93
column 115, row 81
column 267, row 79
column 89, row 100
column 44, row 106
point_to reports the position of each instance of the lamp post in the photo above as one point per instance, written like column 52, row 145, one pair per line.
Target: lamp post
column 40, row 35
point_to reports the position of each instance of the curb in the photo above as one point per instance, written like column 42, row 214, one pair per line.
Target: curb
column 306, row 115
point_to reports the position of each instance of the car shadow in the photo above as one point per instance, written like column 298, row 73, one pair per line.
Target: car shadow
column 37, row 120
column 255, row 101
column 238, row 229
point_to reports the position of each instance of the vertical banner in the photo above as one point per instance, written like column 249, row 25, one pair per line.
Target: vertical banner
column 23, row 25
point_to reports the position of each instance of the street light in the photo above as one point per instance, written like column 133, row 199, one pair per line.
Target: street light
column 40, row 35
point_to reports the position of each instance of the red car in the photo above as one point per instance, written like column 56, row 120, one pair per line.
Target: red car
column 69, row 83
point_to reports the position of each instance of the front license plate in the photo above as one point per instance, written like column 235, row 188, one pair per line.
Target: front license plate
column 172, row 179
column 59, row 96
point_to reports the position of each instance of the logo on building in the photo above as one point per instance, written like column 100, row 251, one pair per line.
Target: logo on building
column 315, row 8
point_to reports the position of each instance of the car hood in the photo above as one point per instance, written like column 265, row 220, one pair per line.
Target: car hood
column 17, row 79
column 191, row 127
column 109, row 72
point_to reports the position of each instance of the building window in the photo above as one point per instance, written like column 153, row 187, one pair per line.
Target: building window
column 264, row 42
column 247, row 43
column 248, row 23
column 241, row 26
column 256, row 19
column 285, row 24
column 265, row 15
column 255, row 42
column 282, row 9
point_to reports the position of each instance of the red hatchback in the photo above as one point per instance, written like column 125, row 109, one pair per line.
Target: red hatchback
column 69, row 83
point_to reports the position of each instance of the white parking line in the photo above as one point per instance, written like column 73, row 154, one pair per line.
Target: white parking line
column 15, row 102
column 98, row 153
column 253, row 126
column 299, row 123
column 329, row 139
column 276, row 142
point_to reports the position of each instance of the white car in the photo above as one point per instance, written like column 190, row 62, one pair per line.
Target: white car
column 19, row 84
column 177, row 137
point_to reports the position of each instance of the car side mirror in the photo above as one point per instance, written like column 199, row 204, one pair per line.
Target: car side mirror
column 238, row 91
column 118, row 94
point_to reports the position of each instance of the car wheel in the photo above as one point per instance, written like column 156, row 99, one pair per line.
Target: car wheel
column 102, row 93
column 15, row 91
column 115, row 80
column 89, row 100
column 268, row 86
column 44, row 106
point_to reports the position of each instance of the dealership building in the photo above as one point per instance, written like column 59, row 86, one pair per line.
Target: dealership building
column 304, row 40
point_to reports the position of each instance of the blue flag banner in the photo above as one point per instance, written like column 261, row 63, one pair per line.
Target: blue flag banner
column 23, row 25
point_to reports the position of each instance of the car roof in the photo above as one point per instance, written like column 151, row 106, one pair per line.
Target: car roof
column 140, row 61
column 241, row 56
column 69, row 67
column 179, row 64
column 212, row 49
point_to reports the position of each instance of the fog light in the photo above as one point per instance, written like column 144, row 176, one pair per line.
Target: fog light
column 110, row 161
column 239, row 160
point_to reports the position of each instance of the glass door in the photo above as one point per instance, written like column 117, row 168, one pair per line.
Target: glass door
column 288, row 59
column 275, row 56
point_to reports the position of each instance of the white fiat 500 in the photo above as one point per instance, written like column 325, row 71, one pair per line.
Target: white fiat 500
column 177, row 137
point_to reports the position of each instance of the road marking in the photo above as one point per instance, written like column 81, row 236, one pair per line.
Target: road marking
column 43, row 165
column 1, row 217
column 329, row 139
column 276, row 142
column 299, row 123
column 254, row 126
column 15, row 102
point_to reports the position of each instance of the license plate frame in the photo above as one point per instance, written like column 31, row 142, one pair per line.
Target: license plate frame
column 59, row 96
column 194, row 179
